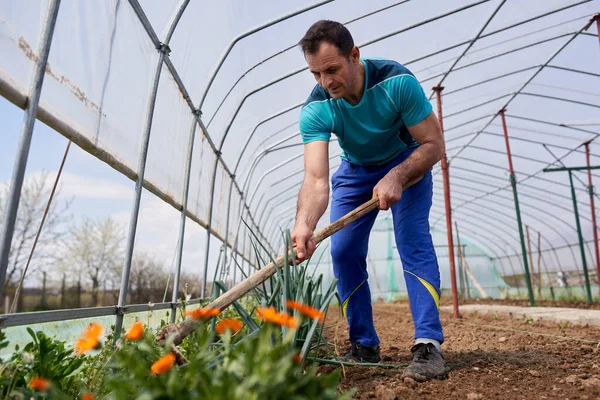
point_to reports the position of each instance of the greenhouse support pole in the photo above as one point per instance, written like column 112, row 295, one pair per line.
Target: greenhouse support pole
column 592, row 205
column 186, row 191
column 138, row 196
column 18, row 176
column 446, row 179
column 513, row 183
column 580, row 235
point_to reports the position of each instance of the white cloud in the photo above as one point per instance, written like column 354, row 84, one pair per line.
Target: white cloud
column 82, row 187
column 85, row 187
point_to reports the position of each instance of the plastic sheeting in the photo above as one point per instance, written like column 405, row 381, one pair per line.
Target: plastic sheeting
column 535, row 58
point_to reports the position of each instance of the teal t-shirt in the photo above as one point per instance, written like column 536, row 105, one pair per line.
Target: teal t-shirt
column 374, row 131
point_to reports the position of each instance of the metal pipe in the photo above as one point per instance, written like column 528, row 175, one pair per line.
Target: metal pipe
column 137, row 198
column 446, row 179
column 186, row 180
column 472, row 42
column 246, row 34
column 571, row 168
column 580, row 235
column 18, row 176
column 211, row 204
column 592, row 206
column 513, row 183
column 573, row 36
column 186, row 190
column 163, row 50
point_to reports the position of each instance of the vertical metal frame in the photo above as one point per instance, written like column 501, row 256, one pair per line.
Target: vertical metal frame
column 163, row 51
column 446, row 180
column 513, row 183
column 18, row 175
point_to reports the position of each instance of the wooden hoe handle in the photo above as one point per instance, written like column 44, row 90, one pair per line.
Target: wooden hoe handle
column 180, row 331
column 183, row 329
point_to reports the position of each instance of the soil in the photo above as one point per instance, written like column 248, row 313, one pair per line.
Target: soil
column 525, row 303
column 492, row 357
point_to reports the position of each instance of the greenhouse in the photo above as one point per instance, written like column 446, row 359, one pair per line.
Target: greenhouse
column 152, row 157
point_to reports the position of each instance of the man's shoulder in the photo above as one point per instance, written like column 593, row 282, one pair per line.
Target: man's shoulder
column 318, row 94
column 381, row 69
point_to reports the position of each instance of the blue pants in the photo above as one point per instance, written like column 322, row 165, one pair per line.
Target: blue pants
column 352, row 185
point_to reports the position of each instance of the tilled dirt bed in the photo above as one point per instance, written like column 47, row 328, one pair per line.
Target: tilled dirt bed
column 493, row 357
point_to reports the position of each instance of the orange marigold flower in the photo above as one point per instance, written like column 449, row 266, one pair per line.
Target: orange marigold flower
column 87, row 396
column 297, row 358
column 269, row 314
column 39, row 384
column 203, row 313
column 136, row 331
column 163, row 364
column 229, row 324
column 306, row 310
column 90, row 338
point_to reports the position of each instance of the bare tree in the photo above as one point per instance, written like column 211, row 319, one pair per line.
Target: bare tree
column 94, row 252
column 34, row 198
column 147, row 280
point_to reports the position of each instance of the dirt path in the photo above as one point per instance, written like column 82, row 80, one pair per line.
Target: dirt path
column 495, row 356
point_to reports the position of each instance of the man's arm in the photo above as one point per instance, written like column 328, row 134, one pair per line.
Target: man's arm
column 313, row 197
column 431, row 150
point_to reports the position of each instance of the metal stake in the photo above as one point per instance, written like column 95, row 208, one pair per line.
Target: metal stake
column 446, row 180
column 513, row 183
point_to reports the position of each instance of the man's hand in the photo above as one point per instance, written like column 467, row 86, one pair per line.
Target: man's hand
column 388, row 190
column 303, row 245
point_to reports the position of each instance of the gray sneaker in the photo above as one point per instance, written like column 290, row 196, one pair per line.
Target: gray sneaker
column 361, row 354
column 428, row 363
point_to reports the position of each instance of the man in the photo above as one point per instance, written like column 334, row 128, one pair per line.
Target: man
column 390, row 139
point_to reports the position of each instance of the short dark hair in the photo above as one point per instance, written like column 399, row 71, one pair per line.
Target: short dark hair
column 327, row 31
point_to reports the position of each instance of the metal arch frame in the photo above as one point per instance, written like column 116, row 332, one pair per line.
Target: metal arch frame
column 166, row 61
column 248, row 178
column 500, row 189
column 465, row 51
column 18, row 175
column 211, row 204
column 272, row 82
column 468, row 225
column 540, row 69
column 505, row 214
column 252, row 132
column 513, row 72
column 287, row 209
column 240, row 212
column 272, row 56
column 271, row 149
column 163, row 49
column 427, row 21
column 494, row 192
column 418, row 59
column 562, row 35
column 197, row 114
column 249, row 33
column 529, row 215
column 218, row 151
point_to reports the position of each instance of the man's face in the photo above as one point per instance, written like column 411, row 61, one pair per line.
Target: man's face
column 334, row 72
